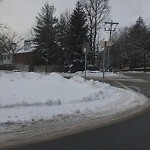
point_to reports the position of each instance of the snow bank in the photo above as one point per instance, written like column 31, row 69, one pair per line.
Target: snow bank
column 21, row 89
column 94, row 74
column 137, row 72
column 28, row 96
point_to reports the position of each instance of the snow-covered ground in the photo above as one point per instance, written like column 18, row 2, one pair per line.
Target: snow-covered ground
column 27, row 96
column 137, row 72
column 96, row 74
column 31, row 97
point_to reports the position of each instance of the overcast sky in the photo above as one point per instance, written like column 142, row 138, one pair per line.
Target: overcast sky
column 20, row 14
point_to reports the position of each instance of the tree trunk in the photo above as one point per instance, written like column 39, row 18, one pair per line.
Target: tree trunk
column 46, row 66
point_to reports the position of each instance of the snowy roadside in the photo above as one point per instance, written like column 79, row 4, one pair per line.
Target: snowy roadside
column 95, row 74
column 137, row 72
column 35, row 103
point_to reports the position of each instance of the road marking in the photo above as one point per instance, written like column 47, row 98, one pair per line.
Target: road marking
column 122, row 85
column 132, row 80
column 137, row 89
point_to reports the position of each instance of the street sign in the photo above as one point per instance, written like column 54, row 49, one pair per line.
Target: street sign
column 85, row 48
column 105, row 44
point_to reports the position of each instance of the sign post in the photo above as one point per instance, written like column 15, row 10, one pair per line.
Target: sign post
column 85, row 50
column 104, row 44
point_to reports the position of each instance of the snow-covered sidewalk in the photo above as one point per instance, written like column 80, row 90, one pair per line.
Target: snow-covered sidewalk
column 28, row 98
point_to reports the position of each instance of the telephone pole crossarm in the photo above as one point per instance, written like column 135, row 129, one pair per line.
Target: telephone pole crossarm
column 111, row 23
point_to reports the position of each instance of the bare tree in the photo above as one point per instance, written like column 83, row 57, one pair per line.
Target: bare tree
column 97, row 12
column 10, row 41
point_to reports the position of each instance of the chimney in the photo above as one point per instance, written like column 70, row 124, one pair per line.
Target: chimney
column 14, row 46
column 27, row 45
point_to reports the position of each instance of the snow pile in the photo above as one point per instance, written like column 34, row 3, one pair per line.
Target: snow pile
column 135, row 72
column 95, row 74
column 28, row 96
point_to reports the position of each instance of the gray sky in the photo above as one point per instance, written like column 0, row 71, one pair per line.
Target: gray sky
column 20, row 14
column 126, row 12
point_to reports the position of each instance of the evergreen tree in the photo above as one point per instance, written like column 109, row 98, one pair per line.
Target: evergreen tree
column 138, row 32
column 131, row 46
column 45, row 33
column 62, row 28
column 62, row 31
column 77, row 35
column 137, row 41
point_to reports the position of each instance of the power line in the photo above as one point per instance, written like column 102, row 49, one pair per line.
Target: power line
column 137, row 14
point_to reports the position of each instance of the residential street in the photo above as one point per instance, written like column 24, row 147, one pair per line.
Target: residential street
column 131, row 134
column 139, row 82
column 74, row 75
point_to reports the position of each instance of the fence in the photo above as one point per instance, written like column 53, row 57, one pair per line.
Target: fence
column 50, row 68
column 28, row 68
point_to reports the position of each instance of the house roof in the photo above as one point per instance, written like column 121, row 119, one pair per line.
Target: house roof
column 27, row 48
column 25, row 51
column 20, row 51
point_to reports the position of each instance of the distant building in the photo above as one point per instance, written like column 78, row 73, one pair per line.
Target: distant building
column 25, row 55
column 7, row 59
column 20, row 59
column 19, row 56
column 26, row 59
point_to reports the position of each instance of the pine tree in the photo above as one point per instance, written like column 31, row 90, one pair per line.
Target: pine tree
column 131, row 46
column 77, row 35
column 62, row 29
column 45, row 33
column 138, row 40
column 138, row 32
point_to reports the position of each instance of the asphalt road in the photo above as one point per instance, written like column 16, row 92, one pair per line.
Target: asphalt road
column 139, row 82
column 131, row 134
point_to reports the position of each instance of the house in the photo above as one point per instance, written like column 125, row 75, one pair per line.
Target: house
column 26, row 59
column 23, row 59
column 7, row 59
column 20, row 59
column 25, row 55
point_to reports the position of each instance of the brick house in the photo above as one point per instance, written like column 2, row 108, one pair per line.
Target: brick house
column 24, row 57
column 21, row 59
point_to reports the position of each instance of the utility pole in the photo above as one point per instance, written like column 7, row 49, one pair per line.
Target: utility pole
column 110, row 29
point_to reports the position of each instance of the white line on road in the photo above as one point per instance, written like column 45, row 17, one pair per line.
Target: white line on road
column 122, row 85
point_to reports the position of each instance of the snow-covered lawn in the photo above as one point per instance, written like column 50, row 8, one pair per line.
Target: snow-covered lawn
column 35, row 96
